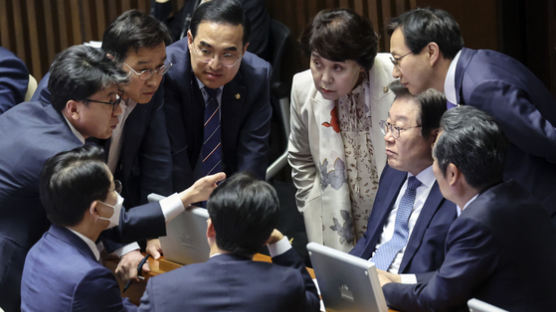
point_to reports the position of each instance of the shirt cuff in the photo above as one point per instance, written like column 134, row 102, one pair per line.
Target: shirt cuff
column 125, row 249
column 408, row 278
column 279, row 247
column 171, row 207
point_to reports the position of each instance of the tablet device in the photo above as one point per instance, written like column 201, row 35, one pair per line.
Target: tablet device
column 346, row 282
column 185, row 241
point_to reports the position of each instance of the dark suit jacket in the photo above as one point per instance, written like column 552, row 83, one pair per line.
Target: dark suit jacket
column 62, row 274
column 425, row 248
column 14, row 78
column 500, row 250
column 232, row 283
column 38, row 132
column 246, row 113
column 526, row 111
column 145, row 163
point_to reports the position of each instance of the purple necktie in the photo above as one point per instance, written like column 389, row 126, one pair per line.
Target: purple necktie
column 211, row 152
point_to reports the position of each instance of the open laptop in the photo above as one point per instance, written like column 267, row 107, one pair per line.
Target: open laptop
column 185, row 241
column 346, row 282
column 476, row 305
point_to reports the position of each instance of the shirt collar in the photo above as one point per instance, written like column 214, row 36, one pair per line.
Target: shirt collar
column 75, row 132
column 426, row 176
column 466, row 204
column 450, row 81
column 202, row 87
column 89, row 243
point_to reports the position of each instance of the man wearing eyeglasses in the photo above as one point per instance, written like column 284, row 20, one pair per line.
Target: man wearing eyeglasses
column 428, row 52
column 216, row 97
column 410, row 218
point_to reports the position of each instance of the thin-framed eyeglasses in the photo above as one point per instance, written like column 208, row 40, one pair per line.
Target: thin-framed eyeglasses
column 118, row 186
column 396, row 60
column 114, row 103
column 227, row 59
column 146, row 74
column 386, row 127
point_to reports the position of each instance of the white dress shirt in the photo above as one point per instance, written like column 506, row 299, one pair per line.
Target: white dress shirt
column 426, row 177
column 116, row 139
column 450, row 81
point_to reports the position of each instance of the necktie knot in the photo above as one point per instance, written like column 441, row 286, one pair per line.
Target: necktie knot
column 413, row 183
column 211, row 92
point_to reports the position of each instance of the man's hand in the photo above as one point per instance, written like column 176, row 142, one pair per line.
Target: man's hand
column 153, row 248
column 274, row 237
column 201, row 189
column 386, row 277
column 127, row 267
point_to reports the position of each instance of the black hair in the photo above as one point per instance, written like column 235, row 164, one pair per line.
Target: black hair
column 133, row 30
column 472, row 141
column 424, row 25
column 244, row 211
column 432, row 105
column 340, row 35
column 221, row 12
column 70, row 181
column 79, row 72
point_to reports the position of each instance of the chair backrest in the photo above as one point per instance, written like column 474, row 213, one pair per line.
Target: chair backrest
column 31, row 87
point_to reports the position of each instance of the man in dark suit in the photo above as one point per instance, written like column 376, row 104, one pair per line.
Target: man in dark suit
column 216, row 97
column 243, row 214
column 501, row 247
column 410, row 131
column 14, row 78
column 62, row 270
column 428, row 52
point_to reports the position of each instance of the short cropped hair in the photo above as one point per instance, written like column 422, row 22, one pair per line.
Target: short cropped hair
column 79, row 72
column 220, row 12
column 472, row 141
column 70, row 181
column 340, row 35
column 431, row 102
column 244, row 211
column 424, row 25
column 133, row 30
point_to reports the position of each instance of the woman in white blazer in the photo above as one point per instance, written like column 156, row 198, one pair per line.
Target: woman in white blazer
column 336, row 148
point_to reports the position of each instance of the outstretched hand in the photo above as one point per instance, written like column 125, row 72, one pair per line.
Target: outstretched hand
column 201, row 189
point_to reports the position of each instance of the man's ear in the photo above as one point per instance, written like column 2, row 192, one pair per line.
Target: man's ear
column 93, row 209
column 433, row 135
column 433, row 53
column 189, row 38
column 72, row 110
column 245, row 47
column 453, row 175
column 210, row 229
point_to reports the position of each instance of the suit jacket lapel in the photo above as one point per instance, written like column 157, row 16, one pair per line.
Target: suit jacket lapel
column 432, row 204
column 382, row 208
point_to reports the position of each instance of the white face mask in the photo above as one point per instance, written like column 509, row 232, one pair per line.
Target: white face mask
column 115, row 218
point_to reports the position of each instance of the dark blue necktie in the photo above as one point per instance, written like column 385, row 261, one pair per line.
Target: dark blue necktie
column 386, row 253
column 211, row 152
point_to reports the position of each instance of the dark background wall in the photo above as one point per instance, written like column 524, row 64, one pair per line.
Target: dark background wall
column 38, row 29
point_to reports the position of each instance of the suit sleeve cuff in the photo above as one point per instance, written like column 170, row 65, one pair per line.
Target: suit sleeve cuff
column 279, row 247
column 171, row 207
column 408, row 278
column 125, row 249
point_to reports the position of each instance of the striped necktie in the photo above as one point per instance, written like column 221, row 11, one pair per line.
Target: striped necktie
column 387, row 252
column 211, row 151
